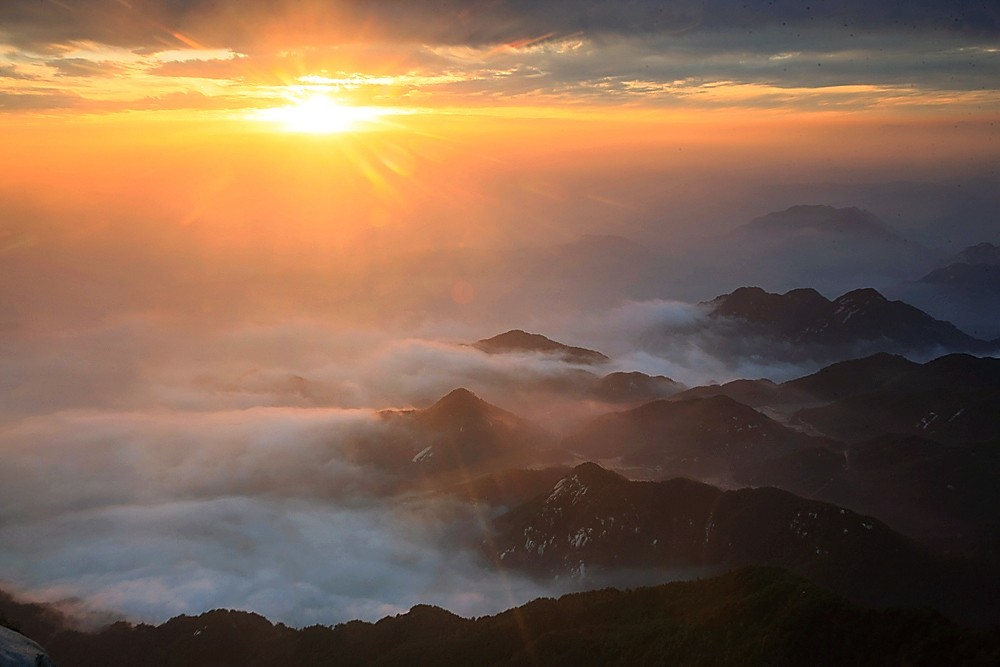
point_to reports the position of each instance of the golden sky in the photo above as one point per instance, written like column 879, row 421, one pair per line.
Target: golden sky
column 229, row 58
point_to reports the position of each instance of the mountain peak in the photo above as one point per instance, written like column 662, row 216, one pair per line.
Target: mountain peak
column 820, row 219
column 459, row 402
column 861, row 315
column 591, row 472
column 790, row 311
column 981, row 253
column 459, row 396
column 585, row 480
column 518, row 340
column 862, row 296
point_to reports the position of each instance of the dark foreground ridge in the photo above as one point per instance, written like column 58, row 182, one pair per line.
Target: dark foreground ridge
column 752, row 616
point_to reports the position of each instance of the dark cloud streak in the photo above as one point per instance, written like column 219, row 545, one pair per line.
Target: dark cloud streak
column 152, row 22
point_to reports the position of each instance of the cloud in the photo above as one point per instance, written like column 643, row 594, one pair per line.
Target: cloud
column 297, row 562
column 144, row 22
column 89, row 459
column 681, row 341
column 83, row 67
column 156, row 513
column 12, row 72
column 37, row 99
column 681, row 55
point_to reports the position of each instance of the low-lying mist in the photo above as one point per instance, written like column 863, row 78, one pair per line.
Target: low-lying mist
column 155, row 468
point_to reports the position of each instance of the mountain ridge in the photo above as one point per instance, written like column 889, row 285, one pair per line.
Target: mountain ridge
column 591, row 522
column 518, row 340
column 861, row 316
column 750, row 616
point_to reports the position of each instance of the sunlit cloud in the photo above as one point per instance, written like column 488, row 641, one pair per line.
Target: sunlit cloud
column 807, row 63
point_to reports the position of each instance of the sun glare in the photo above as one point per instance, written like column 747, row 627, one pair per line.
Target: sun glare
column 318, row 114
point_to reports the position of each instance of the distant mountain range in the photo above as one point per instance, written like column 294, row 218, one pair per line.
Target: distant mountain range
column 878, row 372
column 979, row 254
column 933, row 213
column 829, row 248
column 861, row 321
column 810, row 221
column 964, row 289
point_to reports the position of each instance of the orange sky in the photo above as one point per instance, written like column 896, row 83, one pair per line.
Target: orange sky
column 177, row 126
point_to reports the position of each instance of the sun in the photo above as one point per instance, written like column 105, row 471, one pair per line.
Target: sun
column 318, row 113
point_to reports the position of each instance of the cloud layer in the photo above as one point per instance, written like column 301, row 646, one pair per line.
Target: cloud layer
column 685, row 54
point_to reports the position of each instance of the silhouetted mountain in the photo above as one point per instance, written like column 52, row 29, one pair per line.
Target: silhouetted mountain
column 974, row 280
column 634, row 387
column 948, row 416
column 939, row 214
column 707, row 438
column 845, row 378
column 878, row 372
column 754, row 393
column 861, row 319
column 946, row 495
column 460, row 432
column 964, row 293
column 951, row 371
column 594, row 520
column 848, row 378
column 979, row 254
column 855, row 377
column 950, row 399
column 521, row 341
column 965, row 289
column 751, row 616
column 914, row 463
column 943, row 495
column 811, row 220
